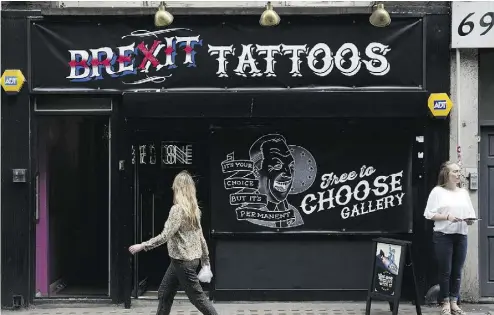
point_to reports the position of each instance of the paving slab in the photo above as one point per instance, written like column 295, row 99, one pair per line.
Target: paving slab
column 251, row 308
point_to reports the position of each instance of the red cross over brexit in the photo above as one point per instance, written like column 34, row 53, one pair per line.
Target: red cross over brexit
column 86, row 65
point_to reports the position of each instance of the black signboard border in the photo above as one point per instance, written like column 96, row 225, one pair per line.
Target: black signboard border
column 44, row 35
column 394, row 301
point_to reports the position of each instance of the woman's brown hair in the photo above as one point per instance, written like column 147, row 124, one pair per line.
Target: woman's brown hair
column 444, row 171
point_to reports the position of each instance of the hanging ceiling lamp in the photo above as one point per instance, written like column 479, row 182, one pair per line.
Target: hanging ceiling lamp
column 162, row 17
column 380, row 17
column 269, row 17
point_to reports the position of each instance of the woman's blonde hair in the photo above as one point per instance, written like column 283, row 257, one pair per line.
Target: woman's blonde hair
column 444, row 171
column 184, row 195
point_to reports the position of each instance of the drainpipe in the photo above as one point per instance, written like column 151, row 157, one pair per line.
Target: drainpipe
column 458, row 106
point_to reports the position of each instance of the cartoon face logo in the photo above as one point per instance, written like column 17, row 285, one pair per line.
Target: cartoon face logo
column 273, row 166
column 263, row 183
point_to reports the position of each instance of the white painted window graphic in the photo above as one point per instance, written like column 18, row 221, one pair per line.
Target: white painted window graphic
column 262, row 183
column 172, row 154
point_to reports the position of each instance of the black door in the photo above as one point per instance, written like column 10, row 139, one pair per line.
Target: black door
column 160, row 150
column 486, row 211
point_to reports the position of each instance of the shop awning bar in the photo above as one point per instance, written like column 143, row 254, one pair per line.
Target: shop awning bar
column 277, row 104
column 421, row 8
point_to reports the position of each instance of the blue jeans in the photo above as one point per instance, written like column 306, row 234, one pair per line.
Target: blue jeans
column 451, row 251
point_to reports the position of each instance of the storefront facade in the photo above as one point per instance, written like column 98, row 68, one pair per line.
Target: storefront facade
column 306, row 140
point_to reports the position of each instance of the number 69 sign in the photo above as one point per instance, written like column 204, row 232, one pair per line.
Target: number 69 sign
column 472, row 24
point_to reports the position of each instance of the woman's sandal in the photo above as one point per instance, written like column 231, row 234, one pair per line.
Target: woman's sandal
column 446, row 311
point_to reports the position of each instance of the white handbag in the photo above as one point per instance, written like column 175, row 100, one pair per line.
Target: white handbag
column 205, row 274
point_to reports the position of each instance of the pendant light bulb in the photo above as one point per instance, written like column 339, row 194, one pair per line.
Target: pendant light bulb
column 162, row 17
column 380, row 17
column 269, row 17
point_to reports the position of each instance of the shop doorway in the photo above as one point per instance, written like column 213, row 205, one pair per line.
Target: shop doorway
column 161, row 148
column 72, row 211
column 486, row 212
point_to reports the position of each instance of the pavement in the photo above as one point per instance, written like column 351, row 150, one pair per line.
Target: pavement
column 250, row 308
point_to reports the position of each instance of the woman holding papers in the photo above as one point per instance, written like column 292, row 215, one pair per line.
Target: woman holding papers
column 450, row 207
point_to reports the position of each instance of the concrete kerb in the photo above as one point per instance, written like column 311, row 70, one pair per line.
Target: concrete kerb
column 243, row 308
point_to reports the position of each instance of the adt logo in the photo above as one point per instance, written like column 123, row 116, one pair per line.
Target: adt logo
column 440, row 105
column 11, row 80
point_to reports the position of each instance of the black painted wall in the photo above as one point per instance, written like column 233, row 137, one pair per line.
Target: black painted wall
column 436, row 145
column 15, row 207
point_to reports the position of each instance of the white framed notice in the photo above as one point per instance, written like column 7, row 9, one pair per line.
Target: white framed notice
column 472, row 24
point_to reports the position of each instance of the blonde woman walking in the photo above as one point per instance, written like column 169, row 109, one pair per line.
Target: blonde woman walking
column 186, row 248
column 450, row 207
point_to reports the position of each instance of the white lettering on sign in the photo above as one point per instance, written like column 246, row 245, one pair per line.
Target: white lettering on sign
column 222, row 52
column 472, row 24
column 356, row 194
column 385, row 280
column 171, row 154
column 439, row 104
column 157, row 54
column 152, row 154
column 321, row 60
column 142, row 154
column 10, row 80
column 174, row 154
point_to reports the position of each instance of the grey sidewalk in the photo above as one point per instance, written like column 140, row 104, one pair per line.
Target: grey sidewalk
column 261, row 308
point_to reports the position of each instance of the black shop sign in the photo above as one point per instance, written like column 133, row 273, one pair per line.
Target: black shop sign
column 286, row 180
column 225, row 52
